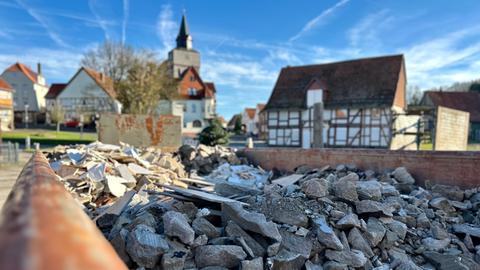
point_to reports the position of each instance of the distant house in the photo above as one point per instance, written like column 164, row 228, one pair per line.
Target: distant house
column 52, row 94
column 87, row 93
column 6, row 105
column 360, row 101
column 30, row 89
column 233, row 121
column 248, row 120
column 196, row 102
column 260, row 121
column 463, row 101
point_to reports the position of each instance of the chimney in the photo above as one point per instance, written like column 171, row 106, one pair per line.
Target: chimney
column 39, row 69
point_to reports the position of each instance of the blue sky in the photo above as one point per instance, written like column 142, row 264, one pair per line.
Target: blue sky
column 244, row 44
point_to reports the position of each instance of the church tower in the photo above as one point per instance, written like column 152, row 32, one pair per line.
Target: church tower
column 183, row 56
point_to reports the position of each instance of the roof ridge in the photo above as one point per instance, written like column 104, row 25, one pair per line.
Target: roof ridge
column 347, row 61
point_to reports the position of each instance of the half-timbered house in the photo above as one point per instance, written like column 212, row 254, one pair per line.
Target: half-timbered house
column 360, row 100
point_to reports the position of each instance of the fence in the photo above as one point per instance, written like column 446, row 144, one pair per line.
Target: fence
column 9, row 152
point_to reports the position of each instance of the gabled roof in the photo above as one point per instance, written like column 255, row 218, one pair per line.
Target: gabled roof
column 233, row 120
column 102, row 80
column 260, row 107
column 210, row 89
column 19, row 67
column 368, row 82
column 54, row 90
column 463, row 101
column 5, row 86
column 202, row 92
column 250, row 112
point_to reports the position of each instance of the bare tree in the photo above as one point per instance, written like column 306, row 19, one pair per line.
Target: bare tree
column 139, row 79
column 113, row 59
column 146, row 83
column 414, row 95
column 57, row 115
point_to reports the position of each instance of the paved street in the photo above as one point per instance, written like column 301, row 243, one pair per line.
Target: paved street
column 8, row 175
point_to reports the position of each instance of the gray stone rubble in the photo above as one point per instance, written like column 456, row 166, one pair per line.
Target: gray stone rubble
column 330, row 218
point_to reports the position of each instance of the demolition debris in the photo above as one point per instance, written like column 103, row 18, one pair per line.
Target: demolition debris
column 204, row 207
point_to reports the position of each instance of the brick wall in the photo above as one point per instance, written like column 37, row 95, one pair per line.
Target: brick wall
column 452, row 168
column 141, row 130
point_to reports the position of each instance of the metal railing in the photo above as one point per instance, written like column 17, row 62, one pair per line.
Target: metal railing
column 43, row 227
column 9, row 152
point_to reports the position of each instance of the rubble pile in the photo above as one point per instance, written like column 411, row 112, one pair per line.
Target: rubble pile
column 317, row 218
column 204, row 159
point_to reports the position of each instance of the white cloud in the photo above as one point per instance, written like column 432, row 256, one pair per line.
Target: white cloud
column 166, row 28
column 103, row 24
column 366, row 32
column 126, row 11
column 319, row 19
column 444, row 60
column 43, row 22
column 60, row 67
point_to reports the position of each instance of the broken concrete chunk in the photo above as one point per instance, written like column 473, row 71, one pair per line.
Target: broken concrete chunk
column 315, row 188
column 345, row 187
column 254, row 264
column 373, row 208
column 202, row 226
column 326, row 235
column 174, row 260
column 348, row 221
column 233, row 230
column 288, row 260
column 357, row 241
column 296, row 244
column 115, row 185
column 145, row 247
column 219, row 255
column 451, row 192
column 445, row 261
column 353, row 257
column 467, row 229
column 369, row 190
column 375, row 231
column 433, row 244
column 251, row 221
column 176, row 224
column 402, row 176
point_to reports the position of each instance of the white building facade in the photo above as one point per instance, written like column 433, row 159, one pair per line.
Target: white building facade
column 360, row 100
column 87, row 93
column 30, row 89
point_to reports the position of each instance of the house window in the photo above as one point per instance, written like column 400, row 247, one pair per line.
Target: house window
column 192, row 78
column 192, row 91
column 197, row 124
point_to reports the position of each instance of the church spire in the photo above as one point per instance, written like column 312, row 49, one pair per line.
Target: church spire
column 184, row 39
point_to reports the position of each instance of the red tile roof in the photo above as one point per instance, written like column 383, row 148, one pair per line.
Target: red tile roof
column 250, row 112
column 368, row 82
column 210, row 89
column 463, row 101
column 5, row 86
column 102, row 80
column 260, row 106
column 54, row 90
column 19, row 67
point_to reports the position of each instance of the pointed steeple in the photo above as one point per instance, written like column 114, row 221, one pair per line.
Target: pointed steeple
column 184, row 39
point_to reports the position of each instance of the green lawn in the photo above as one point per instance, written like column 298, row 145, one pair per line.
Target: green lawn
column 470, row 146
column 48, row 136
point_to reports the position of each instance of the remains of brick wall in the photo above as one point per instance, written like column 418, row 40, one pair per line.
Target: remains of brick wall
column 163, row 131
column 458, row 168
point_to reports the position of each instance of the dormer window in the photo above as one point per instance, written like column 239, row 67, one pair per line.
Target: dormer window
column 192, row 91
